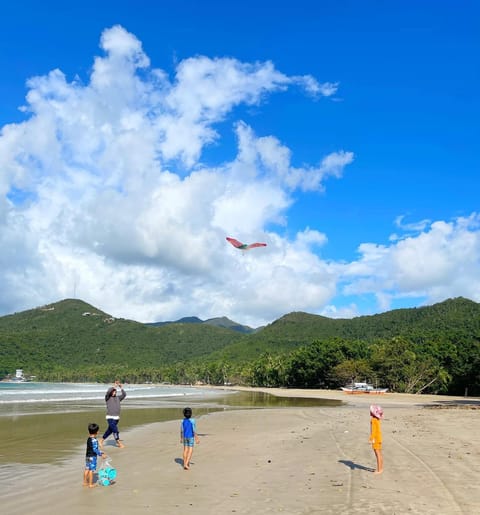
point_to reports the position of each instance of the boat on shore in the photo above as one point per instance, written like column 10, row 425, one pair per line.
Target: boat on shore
column 363, row 388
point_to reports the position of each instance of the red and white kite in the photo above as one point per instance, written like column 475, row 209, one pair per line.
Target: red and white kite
column 243, row 246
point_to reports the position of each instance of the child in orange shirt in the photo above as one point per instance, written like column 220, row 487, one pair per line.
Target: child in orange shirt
column 376, row 414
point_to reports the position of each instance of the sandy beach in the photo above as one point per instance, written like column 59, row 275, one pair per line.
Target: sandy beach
column 282, row 460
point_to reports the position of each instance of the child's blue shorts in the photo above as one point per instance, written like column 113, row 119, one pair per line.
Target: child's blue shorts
column 189, row 442
column 91, row 463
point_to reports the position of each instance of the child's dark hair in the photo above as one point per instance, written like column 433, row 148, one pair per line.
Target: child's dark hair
column 187, row 412
column 93, row 429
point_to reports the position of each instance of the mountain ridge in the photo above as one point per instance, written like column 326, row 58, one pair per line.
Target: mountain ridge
column 74, row 341
column 216, row 321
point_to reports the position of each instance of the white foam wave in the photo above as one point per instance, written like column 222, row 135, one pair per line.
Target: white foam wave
column 79, row 398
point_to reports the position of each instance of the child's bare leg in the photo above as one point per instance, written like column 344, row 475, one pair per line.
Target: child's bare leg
column 379, row 456
column 89, row 478
column 187, row 457
column 85, row 477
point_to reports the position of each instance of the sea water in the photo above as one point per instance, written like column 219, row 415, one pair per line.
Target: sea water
column 23, row 398
column 43, row 423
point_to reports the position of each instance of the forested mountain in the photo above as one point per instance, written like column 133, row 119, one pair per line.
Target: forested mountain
column 218, row 322
column 434, row 348
column 457, row 317
column 72, row 333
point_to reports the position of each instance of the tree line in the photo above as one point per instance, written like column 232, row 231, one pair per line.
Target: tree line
column 441, row 365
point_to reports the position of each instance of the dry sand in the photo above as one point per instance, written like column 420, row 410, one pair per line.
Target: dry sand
column 288, row 460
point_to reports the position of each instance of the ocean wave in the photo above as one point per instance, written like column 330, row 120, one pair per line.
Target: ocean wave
column 81, row 398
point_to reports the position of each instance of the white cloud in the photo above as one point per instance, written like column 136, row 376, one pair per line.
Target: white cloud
column 332, row 311
column 309, row 238
column 95, row 203
column 103, row 195
column 442, row 261
column 327, row 89
column 267, row 156
column 414, row 227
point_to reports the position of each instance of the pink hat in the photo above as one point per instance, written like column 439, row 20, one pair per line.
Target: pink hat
column 376, row 411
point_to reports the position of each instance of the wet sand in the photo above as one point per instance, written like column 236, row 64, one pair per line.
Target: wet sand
column 296, row 460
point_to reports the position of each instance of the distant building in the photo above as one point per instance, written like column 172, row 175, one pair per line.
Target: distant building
column 19, row 375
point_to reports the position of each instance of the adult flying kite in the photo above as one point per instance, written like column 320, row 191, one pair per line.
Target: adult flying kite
column 243, row 246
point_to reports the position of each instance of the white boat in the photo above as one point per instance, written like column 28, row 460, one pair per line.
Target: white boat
column 363, row 388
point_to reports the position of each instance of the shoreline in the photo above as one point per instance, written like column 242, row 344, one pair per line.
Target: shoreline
column 280, row 460
column 387, row 399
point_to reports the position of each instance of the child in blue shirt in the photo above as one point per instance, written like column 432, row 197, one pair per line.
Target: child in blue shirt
column 91, row 456
column 188, row 436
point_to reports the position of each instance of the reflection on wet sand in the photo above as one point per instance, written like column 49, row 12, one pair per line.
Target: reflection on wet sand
column 51, row 437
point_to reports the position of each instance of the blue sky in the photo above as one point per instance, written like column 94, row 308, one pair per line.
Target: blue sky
column 135, row 136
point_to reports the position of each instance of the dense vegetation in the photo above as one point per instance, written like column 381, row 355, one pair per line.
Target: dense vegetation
column 429, row 349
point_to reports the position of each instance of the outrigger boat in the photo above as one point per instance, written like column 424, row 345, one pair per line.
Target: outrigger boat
column 363, row 388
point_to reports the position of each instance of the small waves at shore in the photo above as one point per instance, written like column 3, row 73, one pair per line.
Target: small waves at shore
column 35, row 398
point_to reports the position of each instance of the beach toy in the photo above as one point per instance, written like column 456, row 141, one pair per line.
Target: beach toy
column 106, row 474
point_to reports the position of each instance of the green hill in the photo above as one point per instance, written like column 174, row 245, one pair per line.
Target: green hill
column 72, row 340
column 72, row 333
column 218, row 322
column 454, row 317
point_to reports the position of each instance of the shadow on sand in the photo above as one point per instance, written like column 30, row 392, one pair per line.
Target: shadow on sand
column 352, row 466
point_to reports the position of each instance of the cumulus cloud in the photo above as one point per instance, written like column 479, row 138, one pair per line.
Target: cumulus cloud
column 104, row 196
column 442, row 261
column 408, row 228
column 266, row 155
